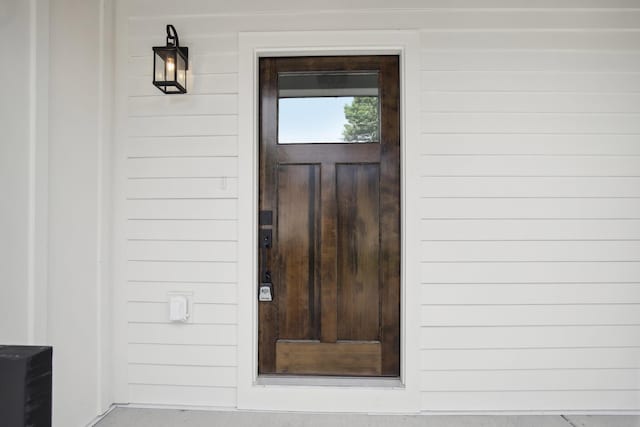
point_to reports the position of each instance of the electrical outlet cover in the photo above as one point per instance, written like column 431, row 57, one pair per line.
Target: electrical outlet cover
column 180, row 307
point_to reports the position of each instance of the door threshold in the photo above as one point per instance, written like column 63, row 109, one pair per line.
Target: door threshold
column 328, row 381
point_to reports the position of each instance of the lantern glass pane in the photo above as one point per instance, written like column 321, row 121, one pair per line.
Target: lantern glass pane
column 170, row 66
column 159, row 68
column 181, row 77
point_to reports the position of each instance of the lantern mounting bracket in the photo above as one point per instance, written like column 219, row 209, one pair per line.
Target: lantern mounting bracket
column 174, row 41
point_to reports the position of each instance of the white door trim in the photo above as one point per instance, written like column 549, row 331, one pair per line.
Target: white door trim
column 356, row 397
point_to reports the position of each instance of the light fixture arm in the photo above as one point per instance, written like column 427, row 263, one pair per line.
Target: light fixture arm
column 172, row 36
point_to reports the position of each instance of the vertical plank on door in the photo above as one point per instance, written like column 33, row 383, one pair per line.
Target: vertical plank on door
column 296, row 250
column 267, row 313
column 358, row 190
column 390, row 216
column 328, row 275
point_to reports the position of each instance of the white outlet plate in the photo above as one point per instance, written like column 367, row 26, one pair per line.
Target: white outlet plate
column 189, row 298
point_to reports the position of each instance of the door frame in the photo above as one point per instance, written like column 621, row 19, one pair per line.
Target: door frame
column 314, row 394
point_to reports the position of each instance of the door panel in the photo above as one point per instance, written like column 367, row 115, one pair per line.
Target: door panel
column 358, row 196
column 334, row 259
column 296, row 228
column 313, row 357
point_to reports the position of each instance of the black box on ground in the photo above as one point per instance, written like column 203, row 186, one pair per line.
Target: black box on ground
column 25, row 386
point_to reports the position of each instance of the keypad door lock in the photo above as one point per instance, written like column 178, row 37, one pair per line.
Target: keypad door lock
column 265, row 290
column 265, row 293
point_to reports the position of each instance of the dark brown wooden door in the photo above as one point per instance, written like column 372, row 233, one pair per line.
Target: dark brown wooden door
column 334, row 213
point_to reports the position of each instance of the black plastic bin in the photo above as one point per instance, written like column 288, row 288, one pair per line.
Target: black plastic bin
column 25, row 386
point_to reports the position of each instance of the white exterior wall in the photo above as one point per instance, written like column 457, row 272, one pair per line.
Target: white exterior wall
column 55, row 187
column 530, row 196
column 15, row 170
column 80, row 93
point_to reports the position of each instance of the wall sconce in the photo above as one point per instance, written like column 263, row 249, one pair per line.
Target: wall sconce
column 170, row 64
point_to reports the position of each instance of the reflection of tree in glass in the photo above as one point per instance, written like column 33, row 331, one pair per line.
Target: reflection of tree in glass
column 362, row 117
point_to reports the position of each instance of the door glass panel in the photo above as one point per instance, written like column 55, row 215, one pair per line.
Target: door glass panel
column 333, row 107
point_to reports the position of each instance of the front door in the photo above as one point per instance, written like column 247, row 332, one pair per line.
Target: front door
column 329, row 216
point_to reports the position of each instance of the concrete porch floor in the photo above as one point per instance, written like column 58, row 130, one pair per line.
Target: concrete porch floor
column 137, row 417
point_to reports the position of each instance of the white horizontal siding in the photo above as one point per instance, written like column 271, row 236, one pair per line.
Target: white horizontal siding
column 532, row 123
column 140, row 46
column 520, row 293
column 530, row 315
column 216, row 251
column 531, row 380
column 530, row 272
column 473, row 18
column 222, row 209
column 210, row 376
column 182, row 146
column 195, row 125
column 540, row 165
column 524, row 207
column 143, row 106
column 545, row 400
column 539, row 251
column 175, row 355
column 529, row 144
column 529, row 102
column 196, row 334
column 205, row 292
column 181, row 226
column 181, row 167
column 197, row 84
column 201, row 314
column 529, row 60
column 187, row 271
column 141, row 8
column 183, row 188
column 530, row 39
column 182, row 229
column 558, row 83
column 169, row 394
column 518, row 336
column 577, row 229
column 529, row 359
column 529, row 196
column 530, row 186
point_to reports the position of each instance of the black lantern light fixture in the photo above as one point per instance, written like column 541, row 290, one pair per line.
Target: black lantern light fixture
column 170, row 64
